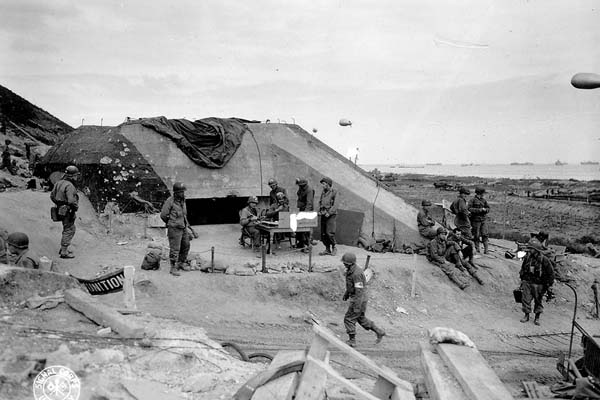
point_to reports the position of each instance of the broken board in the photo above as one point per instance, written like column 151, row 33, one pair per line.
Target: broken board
column 441, row 384
column 474, row 374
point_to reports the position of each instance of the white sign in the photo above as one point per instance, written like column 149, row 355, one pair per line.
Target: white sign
column 56, row 383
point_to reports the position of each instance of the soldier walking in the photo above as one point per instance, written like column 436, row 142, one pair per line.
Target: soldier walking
column 174, row 214
column 356, row 292
column 478, row 210
column 536, row 276
column 64, row 195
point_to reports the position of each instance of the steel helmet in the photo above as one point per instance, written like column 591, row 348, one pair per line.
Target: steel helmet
column 71, row 170
column 425, row 203
column 441, row 230
column 479, row 190
column 252, row 199
column 272, row 181
column 179, row 187
column 18, row 240
column 349, row 258
column 464, row 190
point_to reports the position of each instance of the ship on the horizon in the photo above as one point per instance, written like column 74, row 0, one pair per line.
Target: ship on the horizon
column 437, row 163
column 559, row 163
column 521, row 163
column 590, row 163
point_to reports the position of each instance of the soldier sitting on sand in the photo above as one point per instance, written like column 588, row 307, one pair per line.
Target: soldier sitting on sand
column 460, row 253
column 436, row 254
column 425, row 222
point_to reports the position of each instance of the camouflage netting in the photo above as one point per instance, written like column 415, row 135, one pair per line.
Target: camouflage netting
column 111, row 168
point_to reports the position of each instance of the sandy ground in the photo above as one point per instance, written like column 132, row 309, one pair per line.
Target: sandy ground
column 265, row 312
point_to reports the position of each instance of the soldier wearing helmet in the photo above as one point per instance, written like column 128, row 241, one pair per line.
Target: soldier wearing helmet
column 478, row 210
column 328, row 205
column 174, row 214
column 461, row 212
column 282, row 205
column 64, row 195
column 437, row 250
column 18, row 251
column 425, row 222
column 275, row 188
column 305, row 202
column 537, row 276
column 356, row 292
column 6, row 158
column 249, row 219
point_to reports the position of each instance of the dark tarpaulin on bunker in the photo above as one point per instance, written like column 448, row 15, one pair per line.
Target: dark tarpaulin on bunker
column 209, row 142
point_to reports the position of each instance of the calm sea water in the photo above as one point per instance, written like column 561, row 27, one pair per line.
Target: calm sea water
column 542, row 171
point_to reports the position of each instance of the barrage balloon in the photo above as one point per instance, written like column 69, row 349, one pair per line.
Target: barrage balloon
column 345, row 122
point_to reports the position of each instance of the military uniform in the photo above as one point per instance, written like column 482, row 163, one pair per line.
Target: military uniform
column 328, row 204
column 461, row 212
column 306, row 199
column 478, row 209
column 436, row 254
column 65, row 194
column 461, row 244
column 174, row 214
column 425, row 224
column 26, row 259
column 356, row 292
column 537, row 275
column 248, row 223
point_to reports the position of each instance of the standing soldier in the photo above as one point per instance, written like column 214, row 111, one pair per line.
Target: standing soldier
column 328, row 204
column 478, row 209
column 64, row 195
column 536, row 276
column 306, row 199
column 6, row 158
column 461, row 212
column 356, row 292
column 424, row 221
column 174, row 214
column 275, row 188
column 18, row 248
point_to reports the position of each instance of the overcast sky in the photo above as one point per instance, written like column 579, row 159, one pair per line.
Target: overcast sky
column 422, row 81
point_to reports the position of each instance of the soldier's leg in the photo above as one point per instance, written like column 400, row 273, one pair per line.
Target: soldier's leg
column 526, row 300
column 331, row 228
column 184, row 250
column 454, row 275
column 538, row 296
column 473, row 272
column 255, row 234
column 350, row 319
column 484, row 236
column 476, row 231
column 67, row 235
column 174, row 235
column 324, row 236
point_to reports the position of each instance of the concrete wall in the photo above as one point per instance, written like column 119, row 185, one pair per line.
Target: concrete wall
column 286, row 152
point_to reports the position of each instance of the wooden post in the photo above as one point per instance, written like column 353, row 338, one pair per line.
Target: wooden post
column 367, row 261
column 414, row 276
column 128, row 290
column 310, row 268
column 263, row 252
column 212, row 259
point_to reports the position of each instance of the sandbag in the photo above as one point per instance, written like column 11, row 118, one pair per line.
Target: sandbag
column 151, row 261
column 449, row 335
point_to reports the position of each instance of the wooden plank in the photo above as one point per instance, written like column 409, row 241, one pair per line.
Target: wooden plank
column 327, row 370
column 128, row 290
column 477, row 379
column 384, row 372
column 282, row 388
column 441, row 385
column 313, row 380
column 102, row 314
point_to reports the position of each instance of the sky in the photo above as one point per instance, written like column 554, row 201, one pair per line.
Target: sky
column 422, row 81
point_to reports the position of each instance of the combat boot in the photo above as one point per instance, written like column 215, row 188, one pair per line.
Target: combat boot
column 351, row 340
column 485, row 247
column 327, row 251
column 525, row 318
column 173, row 270
column 183, row 266
column 380, row 334
column 536, row 320
column 477, row 247
column 333, row 251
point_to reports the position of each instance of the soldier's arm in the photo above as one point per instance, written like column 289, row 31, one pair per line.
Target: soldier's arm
column 71, row 195
column 310, row 200
column 335, row 202
column 165, row 211
column 434, row 255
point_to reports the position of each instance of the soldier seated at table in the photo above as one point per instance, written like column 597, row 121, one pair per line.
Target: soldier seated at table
column 283, row 204
column 248, row 220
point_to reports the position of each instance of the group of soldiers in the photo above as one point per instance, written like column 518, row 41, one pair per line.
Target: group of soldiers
column 250, row 216
column 454, row 252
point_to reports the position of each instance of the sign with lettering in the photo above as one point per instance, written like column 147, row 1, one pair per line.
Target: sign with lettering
column 109, row 283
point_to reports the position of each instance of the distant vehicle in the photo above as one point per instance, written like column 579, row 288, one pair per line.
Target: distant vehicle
column 590, row 163
column 559, row 163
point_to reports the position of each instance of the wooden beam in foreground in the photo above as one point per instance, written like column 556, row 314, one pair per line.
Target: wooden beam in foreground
column 441, row 385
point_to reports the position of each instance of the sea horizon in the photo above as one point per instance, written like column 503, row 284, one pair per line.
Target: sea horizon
column 580, row 172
